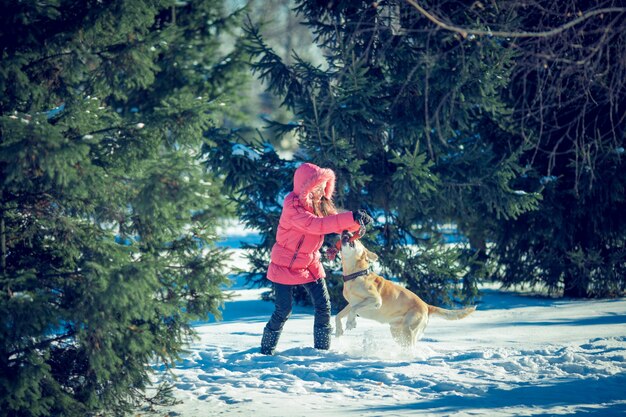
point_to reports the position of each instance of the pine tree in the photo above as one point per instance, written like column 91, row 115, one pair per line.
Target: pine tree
column 568, row 96
column 107, row 214
column 398, row 112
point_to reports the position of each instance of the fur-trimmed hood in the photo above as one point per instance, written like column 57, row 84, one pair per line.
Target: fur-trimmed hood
column 307, row 177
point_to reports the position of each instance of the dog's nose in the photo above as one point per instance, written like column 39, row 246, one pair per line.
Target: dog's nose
column 345, row 237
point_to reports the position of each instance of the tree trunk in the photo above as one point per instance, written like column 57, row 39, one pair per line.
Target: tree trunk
column 575, row 288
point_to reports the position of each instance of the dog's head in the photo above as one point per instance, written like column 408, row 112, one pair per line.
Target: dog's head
column 354, row 256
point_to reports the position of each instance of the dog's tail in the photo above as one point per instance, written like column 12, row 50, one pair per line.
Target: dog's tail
column 451, row 314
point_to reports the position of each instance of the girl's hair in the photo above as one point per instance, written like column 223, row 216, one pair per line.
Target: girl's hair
column 324, row 207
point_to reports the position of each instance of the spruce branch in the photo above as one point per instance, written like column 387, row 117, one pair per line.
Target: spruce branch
column 162, row 398
column 542, row 34
column 102, row 53
column 3, row 238
column 14, row 355
column 128, row 126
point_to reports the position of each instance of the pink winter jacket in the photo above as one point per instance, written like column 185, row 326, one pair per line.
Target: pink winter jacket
column 295, row 257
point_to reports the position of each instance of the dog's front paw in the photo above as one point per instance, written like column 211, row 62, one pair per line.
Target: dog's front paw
column 338, row 327
column 351, row 324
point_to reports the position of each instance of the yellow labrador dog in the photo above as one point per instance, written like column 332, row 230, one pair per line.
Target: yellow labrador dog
column 373, row 297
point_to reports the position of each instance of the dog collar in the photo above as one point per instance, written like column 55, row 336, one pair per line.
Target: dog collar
column 356, row 275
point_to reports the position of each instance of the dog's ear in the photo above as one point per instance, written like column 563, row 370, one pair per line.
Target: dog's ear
column 371, row 256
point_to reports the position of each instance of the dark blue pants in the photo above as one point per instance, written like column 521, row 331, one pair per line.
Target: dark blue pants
column 284, row 302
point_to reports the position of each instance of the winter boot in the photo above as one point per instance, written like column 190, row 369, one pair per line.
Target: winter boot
column 269, row 341
column 321, row 337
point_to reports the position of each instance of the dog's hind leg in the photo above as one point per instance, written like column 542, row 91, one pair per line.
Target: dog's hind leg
column 399, row 335
column 416, row 325
column 341, row 315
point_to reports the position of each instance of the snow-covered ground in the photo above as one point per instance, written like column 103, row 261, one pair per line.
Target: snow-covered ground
column 518, row 355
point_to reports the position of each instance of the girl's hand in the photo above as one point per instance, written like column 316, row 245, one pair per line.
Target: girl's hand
column 362, row 217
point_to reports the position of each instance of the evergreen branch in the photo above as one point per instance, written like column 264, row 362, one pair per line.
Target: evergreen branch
column 462, row 184
column 543, row 34
column 46, row 58
column 108, row 129
column 3, row 238
column 42, row 344
column 162, row 398
column 3, row 245
column 115, row 48
column 414, row 236
column 280, row 77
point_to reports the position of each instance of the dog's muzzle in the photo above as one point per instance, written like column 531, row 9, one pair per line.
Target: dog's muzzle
column 346, row 238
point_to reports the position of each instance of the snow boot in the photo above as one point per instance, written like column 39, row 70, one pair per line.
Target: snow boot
column 321, row 337
column 269, row 341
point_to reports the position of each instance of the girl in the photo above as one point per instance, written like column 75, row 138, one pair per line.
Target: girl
column 308, row 214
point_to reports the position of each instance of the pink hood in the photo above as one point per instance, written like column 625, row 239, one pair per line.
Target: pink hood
column 309, row 176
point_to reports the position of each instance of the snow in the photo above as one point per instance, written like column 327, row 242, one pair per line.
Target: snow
column 245, row 151
column 518, row 355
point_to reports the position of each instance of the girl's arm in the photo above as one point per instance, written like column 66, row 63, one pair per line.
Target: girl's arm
column 307, row 222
